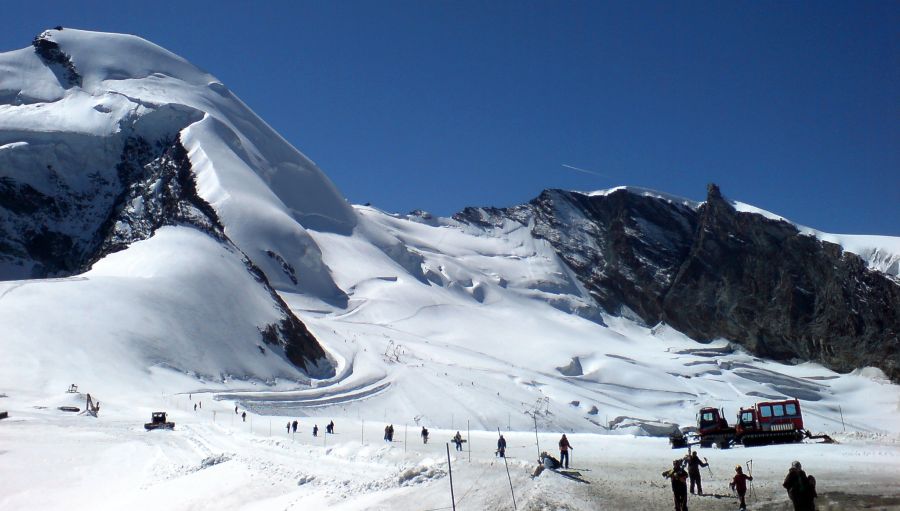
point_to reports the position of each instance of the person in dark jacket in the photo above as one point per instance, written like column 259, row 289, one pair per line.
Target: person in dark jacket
column 564, row 447
column 739, row 484
column 694, row 463
column 800, row 490
column 289, row 427
column 424, row 435
column 329, row 428
column 315, row 430
column 501, row 447
column 679, row 484
column 457, row 439
column 244, row 416
column 294, row 426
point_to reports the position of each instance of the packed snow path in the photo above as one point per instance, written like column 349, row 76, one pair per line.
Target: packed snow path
column 214, row 460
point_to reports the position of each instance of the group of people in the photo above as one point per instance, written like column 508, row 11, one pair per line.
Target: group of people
column 389, row 433
column 291, row 427
column 801, row 487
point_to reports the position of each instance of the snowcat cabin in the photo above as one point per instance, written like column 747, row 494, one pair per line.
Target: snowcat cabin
column 746, row 421
column 709, row 420
column 779, row 415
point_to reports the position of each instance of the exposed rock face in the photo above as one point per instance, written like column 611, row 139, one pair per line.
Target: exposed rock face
column 713, row 272
column 783, row 294
column 57, row 60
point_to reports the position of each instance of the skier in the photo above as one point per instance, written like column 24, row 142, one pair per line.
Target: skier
column 244, row 416
column 315, row 430
column 294, row 425
column 387, row 433
column 329, row 428
column 548, row 461
column 694, row 464
column 800, row 490
column 391, row 433
column 501, row 447
column 457, row 439
column 564, row 447
column 739, row 483
column 424, row 435
column 289, row 427
column 679, row 484
column 195, row 407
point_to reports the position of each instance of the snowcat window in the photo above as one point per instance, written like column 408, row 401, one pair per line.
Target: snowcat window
column 706, row 417
column 790, row 409
column 779, row 410
column 746, row 417
column 765, row 411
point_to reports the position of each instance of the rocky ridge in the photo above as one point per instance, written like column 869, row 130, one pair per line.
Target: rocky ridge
column 713, row 272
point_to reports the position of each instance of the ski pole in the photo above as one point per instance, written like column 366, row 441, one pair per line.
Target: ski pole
column 749, row 465
column 707, row 467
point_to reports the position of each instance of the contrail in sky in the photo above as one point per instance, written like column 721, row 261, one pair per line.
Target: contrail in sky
column 586, row 171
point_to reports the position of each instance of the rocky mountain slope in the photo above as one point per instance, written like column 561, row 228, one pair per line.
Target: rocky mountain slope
column 712, row 271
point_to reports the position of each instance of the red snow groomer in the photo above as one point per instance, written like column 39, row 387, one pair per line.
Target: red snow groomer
column 766, row 422
column 770, row 422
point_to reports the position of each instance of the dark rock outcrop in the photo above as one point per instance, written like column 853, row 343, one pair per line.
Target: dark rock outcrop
column 58, row 61
column 713, row 272
column 783, row 294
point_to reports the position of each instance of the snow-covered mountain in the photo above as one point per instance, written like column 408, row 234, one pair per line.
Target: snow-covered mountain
column 155, row 235
column 121, row 158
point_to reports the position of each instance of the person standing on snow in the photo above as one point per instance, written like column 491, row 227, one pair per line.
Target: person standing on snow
column 739, row 484
column 694, row 465
column 501, row 447
column 294, row 425
column 800, row 487
column 564, row 447
column 679, row 485
column 244, row 416
column 315, row 430
column 457, row 439
column 424, row 435
column 330, row 427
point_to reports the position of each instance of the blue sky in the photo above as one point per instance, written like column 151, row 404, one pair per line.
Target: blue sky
column 790, row 106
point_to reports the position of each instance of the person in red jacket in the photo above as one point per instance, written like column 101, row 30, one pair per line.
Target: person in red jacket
column 564, row 447
column 739, row 483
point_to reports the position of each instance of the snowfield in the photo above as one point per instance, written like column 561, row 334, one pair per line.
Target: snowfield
column 427, row 322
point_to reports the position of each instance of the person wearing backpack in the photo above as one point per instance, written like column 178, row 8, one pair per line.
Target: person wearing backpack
column 679, row 478
column 800, row 489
